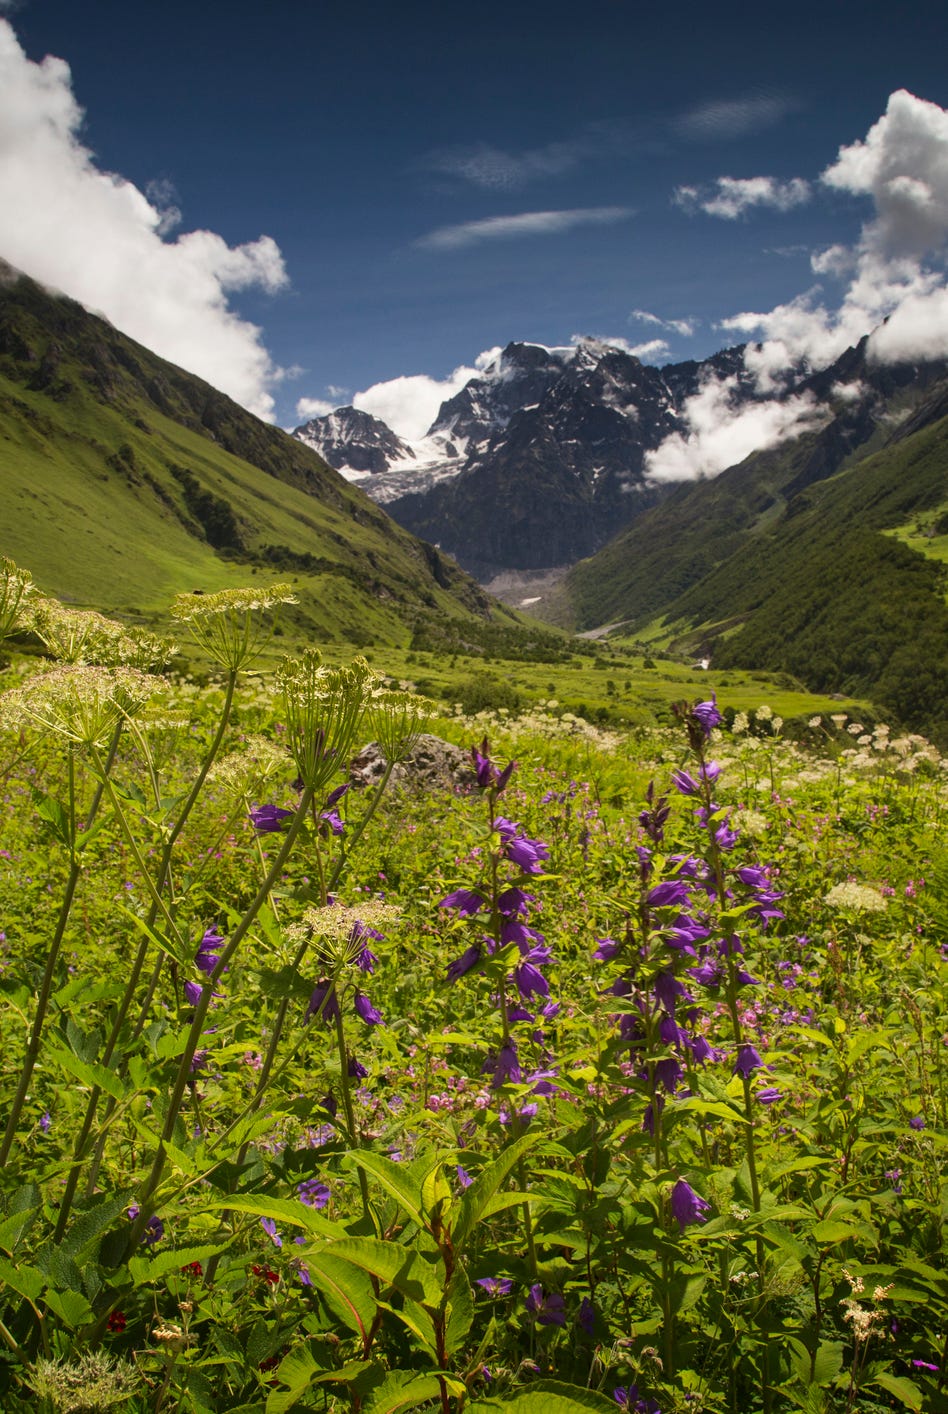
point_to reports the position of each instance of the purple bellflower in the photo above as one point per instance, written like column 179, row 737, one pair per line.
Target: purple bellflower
column 686, row 1205
column 269, row 819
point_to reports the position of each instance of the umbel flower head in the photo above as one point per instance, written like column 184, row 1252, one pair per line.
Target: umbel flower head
column 397, row 720
column 231, row 625
column 16, row 586
column 79, row 635
column 322, row 710
column 82, row 704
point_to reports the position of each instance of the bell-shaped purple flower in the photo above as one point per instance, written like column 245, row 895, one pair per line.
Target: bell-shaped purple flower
column 686, row 1205
column 368, row 1013
column 506, row 1066
column 707, row 716
column 269, row 819
column 673, row 893
column 467, row 902
column 527, row 854
column 323, row 1002
column 464, row 963
column 748, row 1060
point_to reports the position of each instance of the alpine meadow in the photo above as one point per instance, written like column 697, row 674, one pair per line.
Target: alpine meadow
column 473, row 855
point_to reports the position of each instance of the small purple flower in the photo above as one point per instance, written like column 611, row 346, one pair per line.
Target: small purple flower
column 205, row 958
column 313, row 1193
column 769, row 1095
column 918, row 1122
column 269, row 819
column 924, row 1365
column 673, row 893
column 154, row 1228
column 687, row 1206
column 495, row 1286
column 685, row 783
column 270, row 1228
column 606, row 949
column 46, row 1122
column 464, row 1178
column 587, row 1316
column 330, row 823
column 356, row 1070
column 364, row 1009
column 548, row 1310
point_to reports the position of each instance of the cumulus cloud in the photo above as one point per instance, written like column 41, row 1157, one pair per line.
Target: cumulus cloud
column 727, row 119
column 409, row 405
column 895, row 271
column 313, row 407
column 527, row 223
column 684, row 327
column 720, row 433
column 651, row 351
column 95, row 236
column 732, row 197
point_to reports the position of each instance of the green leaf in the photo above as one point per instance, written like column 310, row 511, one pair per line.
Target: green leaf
column 395, row 1179
column 89, row 1226
column 26, row 1281
column 142, row 1269
column 71, row 1307
column 404, row 1390
column 396, row 1266
column 475, row 1199
column 93, row 1075
column 13, row 1228
column 284, row 1210
column 460, row 1313
column 904, row 1390
column 345, row 1288
column 176, row 950
column 418, row 1321
column 54, row 815
column 297, row 1371
column 551, row 1397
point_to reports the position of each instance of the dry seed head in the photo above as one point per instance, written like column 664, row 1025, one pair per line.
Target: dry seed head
column 259, row 760
column 93, row 1383
column 398, row 719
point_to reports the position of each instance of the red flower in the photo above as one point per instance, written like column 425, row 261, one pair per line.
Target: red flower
column 267, row 1273
column 193, row 1269
column 117, row 1322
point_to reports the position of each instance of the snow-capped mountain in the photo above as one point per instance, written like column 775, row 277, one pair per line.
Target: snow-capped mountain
column 536, row 462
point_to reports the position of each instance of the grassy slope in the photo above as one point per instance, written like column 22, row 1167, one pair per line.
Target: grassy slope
column 92, row 428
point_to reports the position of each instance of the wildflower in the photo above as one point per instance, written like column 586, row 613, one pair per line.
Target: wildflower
column 507, row 1065
column 464, row 1178
column 154, row 1228
column 229, row 625
column 95, row 1381
column 46, row 1122
column 924, row 1365
column 858, row 897
column 707, row 716
column 364, row 1009
column 495, row 1286
column 269, row 1275
column 313, row 1193
column 268, row 819
column 467, row 902
column 117, row 1322
column 547, row 1310
column 606, row 949
column 16, row 586
column 687, row 1206
column 192, row 1269
column 917, row 1122
column 748, row 1060
column 270, row 1228
column 587, row 1316
column 468, row 959
column 323, row 1002
column 487, row 774
column 528, row 855
column 769, row 1095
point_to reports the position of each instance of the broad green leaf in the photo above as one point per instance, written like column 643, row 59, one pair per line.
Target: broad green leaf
column 552, row 1397
column 474, row 1200
column 460, row 1313
column 296, row 1370
column 13, row 1228
column 142, row 1269
column 284, row 1210
column 71, row 1307
column 345, row 1288
column 392, row 1264
column 26, row 1281
column 89, row 1226
column 395, row 1179
column 179, row 951
column 904, row 1390
column 403, row 1389
column 418, row 1321
column 94, row 1075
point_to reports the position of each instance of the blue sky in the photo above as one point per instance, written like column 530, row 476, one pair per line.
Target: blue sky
column 434, row 181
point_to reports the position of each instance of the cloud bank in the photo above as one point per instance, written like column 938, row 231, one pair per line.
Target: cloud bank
column 527, row 223
column 96, row 237
column 409, row 405
column 893, row 289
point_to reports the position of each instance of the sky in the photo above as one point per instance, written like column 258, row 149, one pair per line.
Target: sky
column 311, row 204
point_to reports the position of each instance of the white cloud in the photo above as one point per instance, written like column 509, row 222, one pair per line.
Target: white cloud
column 733, row 118
column 720, row 433
column 313, row 407
column 684, row 327
column 527, row 223
column 496, row 170
column 733, row 196
column 95, row 236
column 409, row 405
column 834, row 260
column 651, row 350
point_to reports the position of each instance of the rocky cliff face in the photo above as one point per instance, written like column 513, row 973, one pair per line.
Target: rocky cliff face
column 536, row 462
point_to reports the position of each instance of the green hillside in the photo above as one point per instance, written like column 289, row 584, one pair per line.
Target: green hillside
column 839, row 581
column 126, row 480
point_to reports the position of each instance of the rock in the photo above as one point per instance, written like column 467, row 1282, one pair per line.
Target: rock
column 432, row 765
